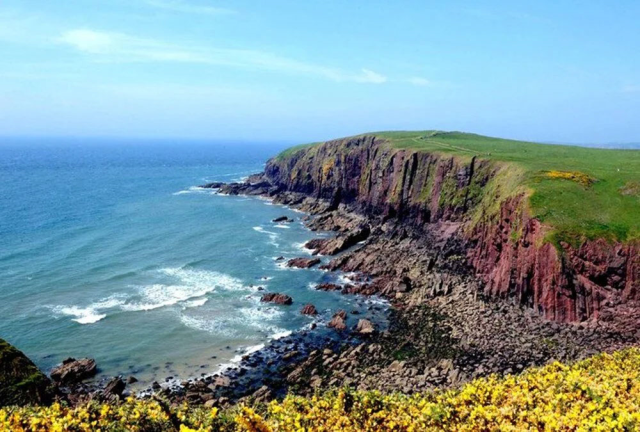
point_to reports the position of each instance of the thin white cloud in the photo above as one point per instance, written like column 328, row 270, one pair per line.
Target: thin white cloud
column 418, row 81
column 369, row 76
column 631, row 89
column 119, row 47
column 184, row 7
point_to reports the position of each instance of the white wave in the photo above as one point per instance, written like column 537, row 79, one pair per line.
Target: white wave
column 196, row 303
column 209, row 326
column 267, row 203
column 282, row 226
column 86, row 315
column 247, row 351
column 192, row 189
column 281, row 334
column 257, row 316
column 203, row 278
column 346, row 278
column 273, row 236
column 192, row 283
column 92, row 313
column 301, row 246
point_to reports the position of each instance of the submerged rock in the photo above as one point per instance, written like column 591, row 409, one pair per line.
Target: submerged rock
column 73, row 371
column 21, row 382
column 277, row 298
column 282, row 219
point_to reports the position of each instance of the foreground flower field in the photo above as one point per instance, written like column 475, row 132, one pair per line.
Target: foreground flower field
column 600, row 393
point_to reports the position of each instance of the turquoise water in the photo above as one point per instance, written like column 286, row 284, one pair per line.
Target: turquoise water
column 108, row 250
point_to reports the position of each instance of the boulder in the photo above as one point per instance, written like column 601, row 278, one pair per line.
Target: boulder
column 73, row 371
column 338, row 321
column 340, row 243
column 365, row 327
column 309, row 309
column 21, row 382
column 115, row 387
column 303, row 262
column 277, row 298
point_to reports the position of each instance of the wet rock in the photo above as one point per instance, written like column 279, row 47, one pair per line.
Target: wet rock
column 212, row 185
column 73, row 371
column 309, row 309
column 277, row 298
column 338, row 321
column 132, row 380
column 303, row 262
column 365, row 327
column 328, row 287
column 282, row 219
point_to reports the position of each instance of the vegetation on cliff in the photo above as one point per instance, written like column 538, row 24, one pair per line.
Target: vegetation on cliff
column 600, row 393
column 580, row 193
column 21, row 382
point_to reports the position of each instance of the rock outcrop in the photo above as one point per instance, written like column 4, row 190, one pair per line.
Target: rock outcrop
column 303, row 262
column 73, row 371
column 277, row 298
column 453, row 198
column 21, row 382
column 309, row 309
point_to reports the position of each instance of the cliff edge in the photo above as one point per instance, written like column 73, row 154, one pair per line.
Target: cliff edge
column 555, row 228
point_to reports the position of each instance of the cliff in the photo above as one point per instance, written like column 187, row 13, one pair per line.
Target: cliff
column 518, row 238
column 21, row 382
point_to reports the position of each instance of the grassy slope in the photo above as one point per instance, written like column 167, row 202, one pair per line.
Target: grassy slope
column 608, row 208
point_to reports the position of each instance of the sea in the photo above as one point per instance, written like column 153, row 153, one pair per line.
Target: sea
column 110, row 250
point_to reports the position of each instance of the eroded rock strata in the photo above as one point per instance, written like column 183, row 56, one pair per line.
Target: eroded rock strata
column 453, row 197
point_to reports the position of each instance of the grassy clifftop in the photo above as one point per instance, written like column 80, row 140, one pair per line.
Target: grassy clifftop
column 579, row 192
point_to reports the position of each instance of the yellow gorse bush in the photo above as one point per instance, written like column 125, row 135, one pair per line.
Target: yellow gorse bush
column 598, row 394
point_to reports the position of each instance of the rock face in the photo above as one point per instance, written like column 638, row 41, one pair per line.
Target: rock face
column 21, row 382
column 438, row 194
column 303, row 262
column 277, row 298
column 73, row 371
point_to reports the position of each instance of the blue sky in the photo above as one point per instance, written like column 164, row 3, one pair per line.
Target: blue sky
column 566, row 71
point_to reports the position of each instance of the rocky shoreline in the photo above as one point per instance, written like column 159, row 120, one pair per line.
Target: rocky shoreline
column 443, row 331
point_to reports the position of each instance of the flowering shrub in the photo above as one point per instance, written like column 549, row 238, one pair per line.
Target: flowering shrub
column 601, row 393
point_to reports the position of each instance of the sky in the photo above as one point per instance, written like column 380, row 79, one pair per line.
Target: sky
column 308, row 70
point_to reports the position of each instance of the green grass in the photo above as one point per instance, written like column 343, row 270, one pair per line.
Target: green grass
column 581, row 193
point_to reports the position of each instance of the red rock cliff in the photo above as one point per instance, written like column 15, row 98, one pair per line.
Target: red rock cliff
column 505, row 247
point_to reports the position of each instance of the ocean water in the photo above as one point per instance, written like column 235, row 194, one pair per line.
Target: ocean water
column 109, row 250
